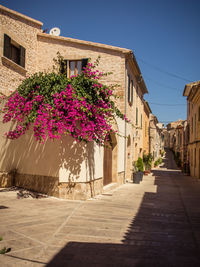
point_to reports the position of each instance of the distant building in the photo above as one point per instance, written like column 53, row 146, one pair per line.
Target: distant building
column 146, row 136
column 192, row 92
column 156, row 140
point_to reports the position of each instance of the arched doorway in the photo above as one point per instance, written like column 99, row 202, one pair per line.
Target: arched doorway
column 110, row 161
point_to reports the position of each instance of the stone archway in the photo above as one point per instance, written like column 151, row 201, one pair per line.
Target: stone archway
column 110, row 161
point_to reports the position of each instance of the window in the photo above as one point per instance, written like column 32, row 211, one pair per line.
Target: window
column 136, row 116
column 199, row 114
column 192, row 125
column 145, row 129
column 195, row 125
column 191, row 157
column 129, row 89
column 14, row 51
column 132, row 92
column 75, row 66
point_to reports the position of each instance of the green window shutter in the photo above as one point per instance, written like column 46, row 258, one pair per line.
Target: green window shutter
column 129, row 89
column 63, row 67
column 132, row 91
column 22, row 56
column 6, row 48
column 84, row 62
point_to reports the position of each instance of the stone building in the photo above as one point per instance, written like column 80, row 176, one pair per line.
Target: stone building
column 65, row 168
column 146, row 116
column 192, row 92
column 153, row 140
column 170, row 136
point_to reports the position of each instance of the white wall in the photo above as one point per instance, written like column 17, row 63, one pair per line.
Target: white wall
column 64, row 158
column 121, row 144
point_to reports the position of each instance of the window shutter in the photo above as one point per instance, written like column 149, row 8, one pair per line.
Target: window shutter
column 22, row 56
column 84, row 62
column 6, row 50
column 63, row 67
column 132, row 91
column 129, row 91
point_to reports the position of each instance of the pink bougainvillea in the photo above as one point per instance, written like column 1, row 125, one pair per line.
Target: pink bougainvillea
column 80, row 106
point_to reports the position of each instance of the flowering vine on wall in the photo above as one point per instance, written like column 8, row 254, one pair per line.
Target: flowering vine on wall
column 55, row 105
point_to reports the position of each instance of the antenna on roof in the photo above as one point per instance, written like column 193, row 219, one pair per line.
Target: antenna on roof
column 55, row 31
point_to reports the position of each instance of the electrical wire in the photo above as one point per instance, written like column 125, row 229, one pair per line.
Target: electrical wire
column 159, row 104
column 163, row 71
column 161, row 84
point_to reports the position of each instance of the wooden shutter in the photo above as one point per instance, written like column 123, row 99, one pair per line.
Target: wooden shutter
column 63, row 67
column 132, row 92
column 84, row 62
column 22, row 56
column 129, row 89
column 6, row 48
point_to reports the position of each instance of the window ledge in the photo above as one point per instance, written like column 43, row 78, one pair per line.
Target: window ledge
column 12, row 65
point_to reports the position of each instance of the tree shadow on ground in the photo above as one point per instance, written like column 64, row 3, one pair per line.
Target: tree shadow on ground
column 161, row 233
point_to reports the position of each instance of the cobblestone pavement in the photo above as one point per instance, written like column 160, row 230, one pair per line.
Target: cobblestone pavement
column 154, row 223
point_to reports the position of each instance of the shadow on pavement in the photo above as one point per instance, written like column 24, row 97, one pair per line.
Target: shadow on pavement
column 160, row 235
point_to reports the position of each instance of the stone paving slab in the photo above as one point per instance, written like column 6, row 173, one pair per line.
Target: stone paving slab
column 154, row 223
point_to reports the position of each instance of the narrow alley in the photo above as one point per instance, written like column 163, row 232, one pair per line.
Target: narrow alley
column 154, row 223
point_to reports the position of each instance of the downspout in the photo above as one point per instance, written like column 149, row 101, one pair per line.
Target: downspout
column 125, row 126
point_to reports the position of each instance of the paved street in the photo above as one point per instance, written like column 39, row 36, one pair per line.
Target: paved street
column 154, row 223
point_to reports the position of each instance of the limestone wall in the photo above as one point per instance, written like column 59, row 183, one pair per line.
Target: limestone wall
column 23, row 31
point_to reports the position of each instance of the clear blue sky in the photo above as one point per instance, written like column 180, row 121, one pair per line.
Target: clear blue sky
column 163, row 34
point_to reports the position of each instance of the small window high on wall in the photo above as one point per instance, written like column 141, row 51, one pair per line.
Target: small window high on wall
column 14, row 51
column 73, row 67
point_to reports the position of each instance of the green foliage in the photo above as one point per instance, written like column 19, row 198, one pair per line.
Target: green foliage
column 162, row 153
column 140, row 165
column 5, row 250
column 147, row 159
column 158, row 162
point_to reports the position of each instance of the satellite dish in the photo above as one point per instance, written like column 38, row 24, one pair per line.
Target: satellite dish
column 55, row 31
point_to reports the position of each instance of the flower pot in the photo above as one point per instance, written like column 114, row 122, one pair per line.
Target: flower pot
column 137, row 177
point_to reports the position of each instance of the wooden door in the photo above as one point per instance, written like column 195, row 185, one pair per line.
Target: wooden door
column 107, row 165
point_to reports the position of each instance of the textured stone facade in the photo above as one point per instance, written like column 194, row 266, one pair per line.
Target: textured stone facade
column 22, row 30
column 146, row 137
column 41, row 49
column 192, row 91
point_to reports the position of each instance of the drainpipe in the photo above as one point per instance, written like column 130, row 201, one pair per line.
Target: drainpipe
column 125, row 126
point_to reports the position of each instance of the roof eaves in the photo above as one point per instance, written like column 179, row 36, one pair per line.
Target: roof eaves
column 89, row 43
column 139, row 78
column 20, row 15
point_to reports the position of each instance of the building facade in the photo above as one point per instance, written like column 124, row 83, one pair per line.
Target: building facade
column 64, row 168
column 146, row 137
column 192, row 92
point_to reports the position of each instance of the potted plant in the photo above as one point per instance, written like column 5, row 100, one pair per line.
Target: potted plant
column 138, row 171
column 147, row 159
